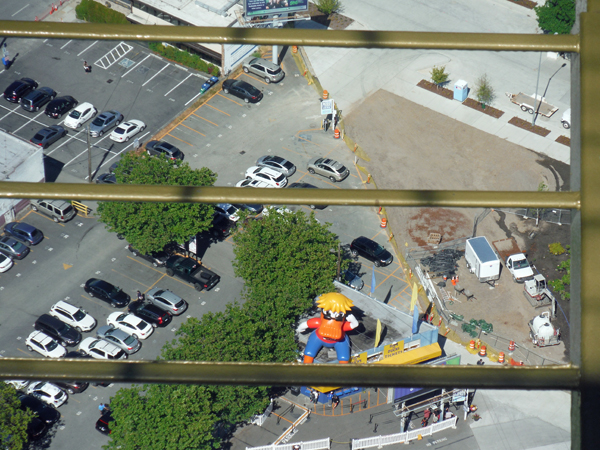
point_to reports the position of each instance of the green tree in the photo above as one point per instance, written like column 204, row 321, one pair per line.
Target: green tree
column 484, row 90
column 162, row 417
column 13, row 421
column 556, row 16
column 285, row 259
column 150, row 226
column 439, row 75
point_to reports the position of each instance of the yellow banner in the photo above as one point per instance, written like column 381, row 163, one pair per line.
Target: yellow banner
column 393, row 349
column 361, row 358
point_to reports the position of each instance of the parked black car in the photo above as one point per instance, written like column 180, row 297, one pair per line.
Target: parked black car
column 38, row 98
column 48, row 136
column 107, row 292
column 102, row 424
column 44, row 411
column 307, row 186
column 36, row 429
column 19, row 88
column 371, row 250
column 243, row 90
column 72, row 387
column 157, row 259
column 59, row 106
column 107, row 178
column 150, row 313
column 221, row 226
column 65, row 334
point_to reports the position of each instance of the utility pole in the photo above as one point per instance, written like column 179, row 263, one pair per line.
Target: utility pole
column 545, row 91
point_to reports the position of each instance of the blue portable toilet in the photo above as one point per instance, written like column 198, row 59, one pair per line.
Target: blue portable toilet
column 461, row 90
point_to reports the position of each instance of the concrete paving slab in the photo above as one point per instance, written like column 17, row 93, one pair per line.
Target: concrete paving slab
column 489, row 124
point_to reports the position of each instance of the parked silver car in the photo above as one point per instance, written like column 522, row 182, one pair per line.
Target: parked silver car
column 329, row 168
column 119, row 338
column 267, row 70
column 277, row 163
column 167, row 300
column 105, row 122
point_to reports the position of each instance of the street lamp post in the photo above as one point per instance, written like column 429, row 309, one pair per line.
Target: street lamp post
column 537, row 110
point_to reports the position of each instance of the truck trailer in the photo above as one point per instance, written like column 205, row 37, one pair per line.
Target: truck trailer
column 482, row 259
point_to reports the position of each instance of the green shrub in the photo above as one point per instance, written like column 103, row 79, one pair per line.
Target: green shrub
column 484, row 90
column 94, row 12
column 329, row 6
column 556, row 248
column 184, row 58
column 439, row 75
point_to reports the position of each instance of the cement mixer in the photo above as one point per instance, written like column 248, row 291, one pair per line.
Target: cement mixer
column 542, row 332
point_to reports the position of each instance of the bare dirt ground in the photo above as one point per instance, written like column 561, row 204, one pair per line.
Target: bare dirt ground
column 413, row 147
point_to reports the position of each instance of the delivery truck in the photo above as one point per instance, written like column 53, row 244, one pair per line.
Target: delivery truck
column 482, row 260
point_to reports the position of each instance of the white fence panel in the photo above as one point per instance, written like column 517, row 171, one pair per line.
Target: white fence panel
column 319, row 444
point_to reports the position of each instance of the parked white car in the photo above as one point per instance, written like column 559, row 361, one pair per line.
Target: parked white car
column 270, row 176
column 249, row 182
column 130, row 324
column 127, row 130
column 44, row 345
column 100, row 349
column 18, row 384
column 80, row 115
column 5, row 262
column 73, row 315
column 48, row 393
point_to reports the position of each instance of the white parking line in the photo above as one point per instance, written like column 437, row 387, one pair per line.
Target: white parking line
column 10, row 111
column 134, row 67
column 20, row 10
column 86, row 49
column 73, row 159
column 72, row 137
column 28, row 122
column 66, row 44
column 185, row 79
column 195, row 97
column 117, row 154
column 155, row 75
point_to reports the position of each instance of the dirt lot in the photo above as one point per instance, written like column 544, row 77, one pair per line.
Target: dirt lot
column 427, row 150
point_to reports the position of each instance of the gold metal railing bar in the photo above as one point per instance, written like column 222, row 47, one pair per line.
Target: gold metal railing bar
column 379, row 197
column 268, row 374
column 288, row 36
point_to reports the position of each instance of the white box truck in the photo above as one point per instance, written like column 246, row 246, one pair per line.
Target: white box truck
column 482, row 260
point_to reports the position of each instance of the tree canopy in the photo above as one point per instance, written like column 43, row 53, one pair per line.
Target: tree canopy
column 13, row 420
column 162, row 417
column 286, row 260
column 556, row 16
column 151, row 226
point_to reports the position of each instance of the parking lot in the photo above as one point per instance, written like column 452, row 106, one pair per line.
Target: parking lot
column 224, row 134
column 125, row 77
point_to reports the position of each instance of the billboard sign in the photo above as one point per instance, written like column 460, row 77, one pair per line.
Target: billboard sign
column 266, row 7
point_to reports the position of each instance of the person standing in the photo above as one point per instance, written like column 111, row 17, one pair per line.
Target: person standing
column 86, row 67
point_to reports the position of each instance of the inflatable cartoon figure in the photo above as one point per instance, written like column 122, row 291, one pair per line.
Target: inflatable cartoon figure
column 331, row 327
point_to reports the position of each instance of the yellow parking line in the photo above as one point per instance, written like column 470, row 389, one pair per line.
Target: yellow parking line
column 310, row 142
column 190, row 128
column 231, row 100
column 27, row 353
column 129, row 278
column 293, row 151
column 254, row 78
column 218, row 108
column 144, row 264
column 386, row 278
column 185, row 142
column 46, row 217
column 154, row 284
column 206, row 120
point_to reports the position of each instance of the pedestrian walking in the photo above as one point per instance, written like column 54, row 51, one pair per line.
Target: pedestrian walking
column 141, row 297
column 480, row 362
column 86, row 67
column 335, row 400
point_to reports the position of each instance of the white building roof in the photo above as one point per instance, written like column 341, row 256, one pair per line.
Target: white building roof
column 201, row 13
